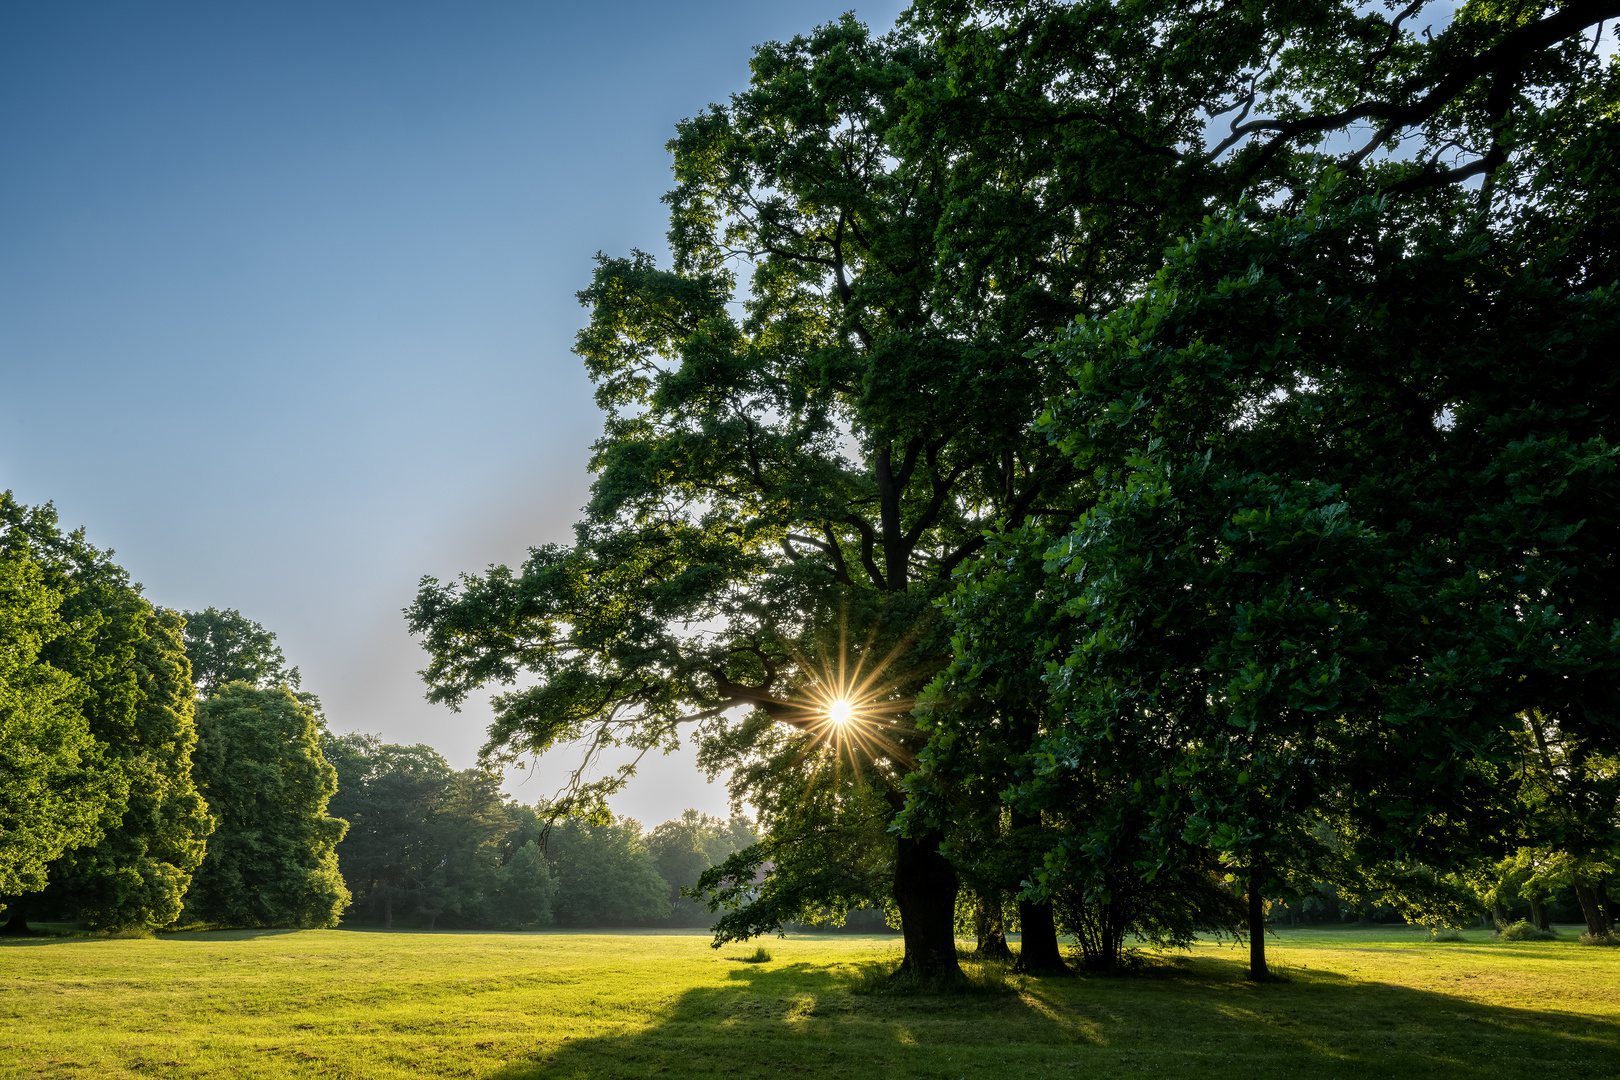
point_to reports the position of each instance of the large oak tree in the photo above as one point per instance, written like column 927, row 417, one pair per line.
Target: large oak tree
column 792, row 471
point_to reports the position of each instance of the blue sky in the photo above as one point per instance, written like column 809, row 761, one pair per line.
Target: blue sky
column 287, row 297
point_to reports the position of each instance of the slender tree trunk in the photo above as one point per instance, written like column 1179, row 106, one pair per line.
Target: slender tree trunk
column 1597, row 923
column 990, row 929
column 388, row 908
column 1257, row 926
column 1039, row 954
column 925, row 889
column 1538, row 914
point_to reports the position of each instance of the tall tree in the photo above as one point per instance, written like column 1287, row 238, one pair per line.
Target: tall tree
column 139, row 873
column 1174, row 113
column 828, row 453
column 57, row 785
column 137, row 703
column 272, row 859
column 821, row 451
column 1355, row 528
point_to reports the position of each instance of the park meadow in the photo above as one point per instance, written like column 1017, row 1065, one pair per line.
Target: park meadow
column 357, row 1003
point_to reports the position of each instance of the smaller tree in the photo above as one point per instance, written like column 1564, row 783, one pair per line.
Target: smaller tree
column 524, row 890
column 272, row 859
column 683, row 848
column 226, row 646
column 389, row 795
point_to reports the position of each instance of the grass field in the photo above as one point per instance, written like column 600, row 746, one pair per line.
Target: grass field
column 1363, row 1004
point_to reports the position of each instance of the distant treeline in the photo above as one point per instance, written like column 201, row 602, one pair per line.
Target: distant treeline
column 444, row 848
column 166, row 768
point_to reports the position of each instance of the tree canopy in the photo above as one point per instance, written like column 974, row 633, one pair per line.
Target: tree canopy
column 226, row 646
column 794, row 469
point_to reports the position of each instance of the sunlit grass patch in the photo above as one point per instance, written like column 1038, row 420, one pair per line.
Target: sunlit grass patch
column 515, row 1006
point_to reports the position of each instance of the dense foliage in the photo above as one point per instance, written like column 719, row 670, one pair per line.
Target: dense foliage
column 793, row 472
column 272, row 859
column 128, row 827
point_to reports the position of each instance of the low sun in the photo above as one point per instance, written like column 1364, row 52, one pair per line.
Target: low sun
column 840, row 711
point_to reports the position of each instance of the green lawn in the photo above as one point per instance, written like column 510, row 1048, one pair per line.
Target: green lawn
column 1368, row 1004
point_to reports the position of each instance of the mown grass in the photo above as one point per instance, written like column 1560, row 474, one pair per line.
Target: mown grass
column 1367, row 1005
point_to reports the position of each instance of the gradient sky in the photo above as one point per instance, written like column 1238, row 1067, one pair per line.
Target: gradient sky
column 287, row 297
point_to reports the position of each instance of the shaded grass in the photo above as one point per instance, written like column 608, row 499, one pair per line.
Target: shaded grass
column 512, row 1006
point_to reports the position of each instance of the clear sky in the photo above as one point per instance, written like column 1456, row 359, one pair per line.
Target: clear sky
column 287, row 297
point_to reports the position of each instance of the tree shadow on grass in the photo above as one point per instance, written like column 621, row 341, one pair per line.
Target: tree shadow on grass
column 1188, row 1017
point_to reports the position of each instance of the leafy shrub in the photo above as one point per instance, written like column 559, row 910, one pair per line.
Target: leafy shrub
column 1610, row 939
column 1445, row 933
column 760, row 955
column 1524, row 930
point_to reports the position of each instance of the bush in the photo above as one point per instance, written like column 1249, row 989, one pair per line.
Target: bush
column 1445, row 933
column 1523, row 930
column 1609, row 939
column 760, row 955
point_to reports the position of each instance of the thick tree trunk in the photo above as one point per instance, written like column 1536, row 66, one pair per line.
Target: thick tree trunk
column 925, row 888
column 1597, row 922
column 1257, row 927
column 990, row 930
column 1538, row 914
column 1499, row 914
column 1038, row 954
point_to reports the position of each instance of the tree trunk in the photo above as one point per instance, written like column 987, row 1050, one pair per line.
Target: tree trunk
column 1038, row 954
column 1538, row 914
column 1257, row 927
column 925, row 888
column 1597, row 922
column 1499, row 914
column 388, row 908
column 990, row 929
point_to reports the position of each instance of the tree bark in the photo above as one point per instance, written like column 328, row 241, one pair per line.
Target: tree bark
column 990, row 929
column 1538, row 914
column 1038, row 954
column 388, row 908
column 925, row 888
column 1597, row 922
column 1257, row 927
column 1499, row 914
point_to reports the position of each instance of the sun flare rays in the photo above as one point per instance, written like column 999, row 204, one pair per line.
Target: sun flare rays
column 854, row 708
